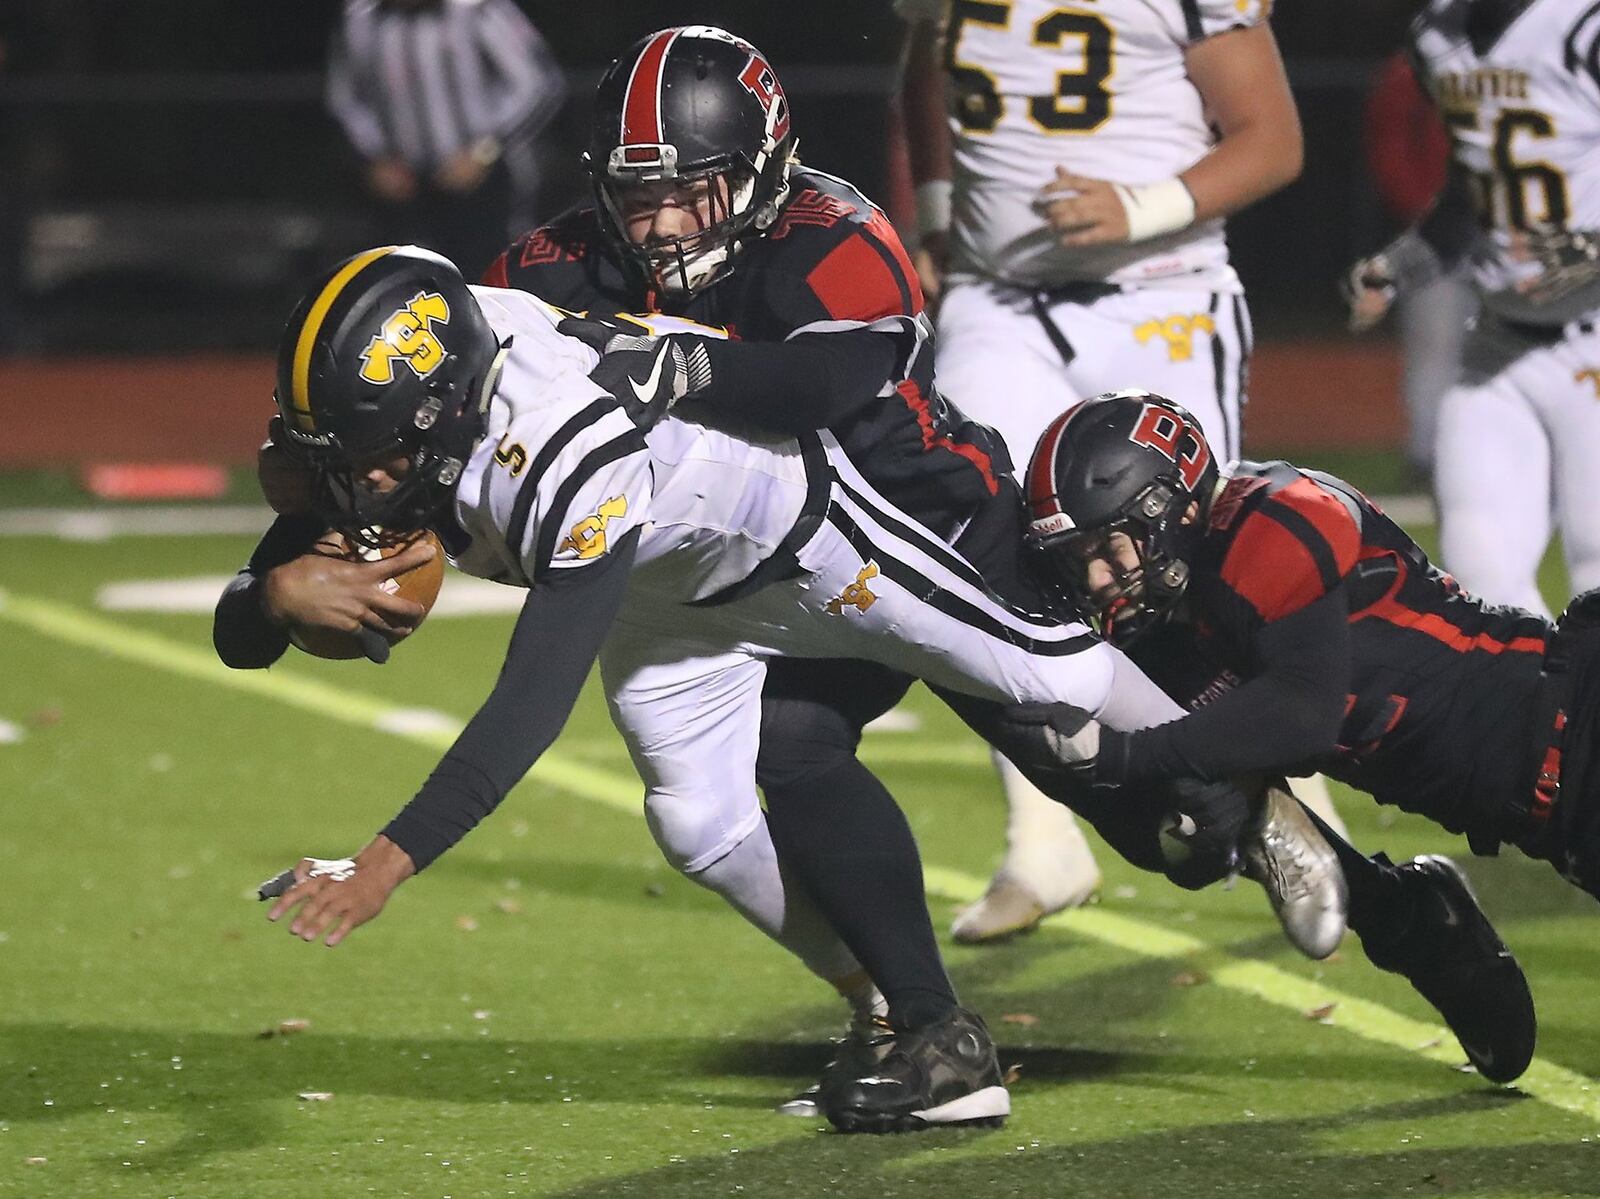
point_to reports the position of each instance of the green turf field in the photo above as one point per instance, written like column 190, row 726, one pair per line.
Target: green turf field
column 551, row 1011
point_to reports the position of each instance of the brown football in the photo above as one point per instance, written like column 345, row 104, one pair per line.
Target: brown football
column 419, row 585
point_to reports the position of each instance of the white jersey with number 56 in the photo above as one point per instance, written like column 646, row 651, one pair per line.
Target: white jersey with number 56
column 1523, row 110
column 1099, row 88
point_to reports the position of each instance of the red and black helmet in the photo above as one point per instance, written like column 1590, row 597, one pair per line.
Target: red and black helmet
column 1127, row 462
column 688, row 103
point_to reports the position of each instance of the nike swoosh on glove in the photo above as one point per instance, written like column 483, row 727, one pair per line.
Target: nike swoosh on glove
column 648, row 375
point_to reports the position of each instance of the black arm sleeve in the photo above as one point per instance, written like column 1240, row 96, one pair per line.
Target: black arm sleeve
column 1450, row 226
column 1289, row 711
column 558, row 636
column 808, row 382
column 243, row 636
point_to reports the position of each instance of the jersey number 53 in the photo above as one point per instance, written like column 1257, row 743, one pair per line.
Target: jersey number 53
column 1080, row 102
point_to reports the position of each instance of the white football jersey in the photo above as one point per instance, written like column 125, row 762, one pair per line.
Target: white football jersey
column 1100, row 89
column 1524, row 119
column 562, row 474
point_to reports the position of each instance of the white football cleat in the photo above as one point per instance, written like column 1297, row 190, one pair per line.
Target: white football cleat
column 1048, row 867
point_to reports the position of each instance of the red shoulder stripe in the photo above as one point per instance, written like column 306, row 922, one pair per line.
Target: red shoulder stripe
column 854, row 282
column 1274, row 571
column 1328, row 516
column 880, row 228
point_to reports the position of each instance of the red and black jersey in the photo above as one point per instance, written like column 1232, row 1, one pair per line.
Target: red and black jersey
column 1436, row 685
column 831, row 263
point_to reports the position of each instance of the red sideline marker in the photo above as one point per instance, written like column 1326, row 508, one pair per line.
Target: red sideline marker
column 167, row 481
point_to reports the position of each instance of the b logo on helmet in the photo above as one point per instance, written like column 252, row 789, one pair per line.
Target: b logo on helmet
column 407, row 335
column 758, row 78
column 1164, row 431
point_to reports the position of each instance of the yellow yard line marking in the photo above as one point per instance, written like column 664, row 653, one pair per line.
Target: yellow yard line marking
column 1545, row 1081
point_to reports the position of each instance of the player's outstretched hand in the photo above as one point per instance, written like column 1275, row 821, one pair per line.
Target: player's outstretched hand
column 319, row 591
column 1083, row 211
column 336, row 897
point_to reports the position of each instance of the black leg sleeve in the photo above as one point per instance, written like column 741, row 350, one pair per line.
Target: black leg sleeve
column 841, row 834
column 1380, row 905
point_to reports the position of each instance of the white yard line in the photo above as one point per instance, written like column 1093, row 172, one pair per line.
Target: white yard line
column 1545, row 1081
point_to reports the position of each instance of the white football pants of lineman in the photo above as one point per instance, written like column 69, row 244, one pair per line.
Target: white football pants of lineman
column 684, row 684
column 998, row 363
column 1518, row 441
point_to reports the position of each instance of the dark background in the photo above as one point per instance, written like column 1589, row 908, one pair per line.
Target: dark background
column 169, row 176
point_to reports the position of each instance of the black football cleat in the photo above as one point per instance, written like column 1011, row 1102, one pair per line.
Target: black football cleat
column 942, row 1073
column 856, row 1053
column 1457, row 962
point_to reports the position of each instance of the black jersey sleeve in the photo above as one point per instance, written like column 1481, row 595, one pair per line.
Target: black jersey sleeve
column 810, row 382
column 557, row 637
column 241, row 633
column 833, row 321
column 1285, row 714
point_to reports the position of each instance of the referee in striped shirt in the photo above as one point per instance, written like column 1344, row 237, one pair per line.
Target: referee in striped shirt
column 444, row 99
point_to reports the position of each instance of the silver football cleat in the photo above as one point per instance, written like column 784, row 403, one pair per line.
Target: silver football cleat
column 1288, row 856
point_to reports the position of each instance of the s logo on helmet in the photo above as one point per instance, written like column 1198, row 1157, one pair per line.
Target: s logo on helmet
column 1165, row 432
column 407, row 335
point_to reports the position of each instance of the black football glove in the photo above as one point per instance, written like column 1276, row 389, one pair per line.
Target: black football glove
column 1051, row 738
column 647, row 375
column 1200, row 836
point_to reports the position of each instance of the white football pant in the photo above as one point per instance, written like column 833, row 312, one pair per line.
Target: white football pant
column 1001, row 361
column 1519, row 438
column 684, row 683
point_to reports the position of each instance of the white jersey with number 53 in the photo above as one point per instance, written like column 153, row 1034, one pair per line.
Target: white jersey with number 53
column 1099, row 88
column 1524, row 118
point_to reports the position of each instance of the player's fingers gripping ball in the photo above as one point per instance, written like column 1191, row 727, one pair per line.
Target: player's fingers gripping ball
column 416, row 582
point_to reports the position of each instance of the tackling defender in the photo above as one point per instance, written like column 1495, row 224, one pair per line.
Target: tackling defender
column 1307, row 631
column 1518, row 84
column 682, row 557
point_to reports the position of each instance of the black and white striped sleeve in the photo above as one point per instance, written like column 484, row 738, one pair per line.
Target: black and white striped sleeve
column 587, row 485
column 529, row 84
column 350, row 94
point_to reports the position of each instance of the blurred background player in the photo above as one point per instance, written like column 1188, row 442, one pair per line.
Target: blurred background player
column 1519, row 89
column 1408, row 155
column 1073, row 168
column 444, row 101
